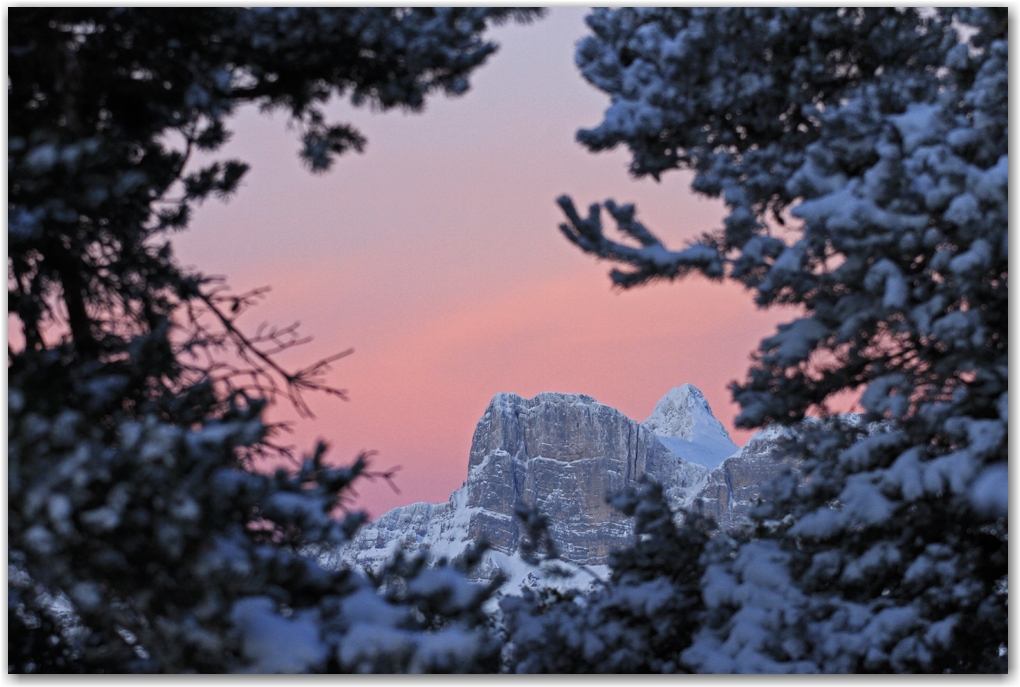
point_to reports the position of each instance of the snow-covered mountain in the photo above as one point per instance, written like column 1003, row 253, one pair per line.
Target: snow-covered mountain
column 683, row 421
column 562, row 453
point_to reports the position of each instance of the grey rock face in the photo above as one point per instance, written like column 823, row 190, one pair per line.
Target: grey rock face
column 732, row 489
column 562, row 454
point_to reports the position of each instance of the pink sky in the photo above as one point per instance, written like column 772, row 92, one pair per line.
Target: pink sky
column 436, row 256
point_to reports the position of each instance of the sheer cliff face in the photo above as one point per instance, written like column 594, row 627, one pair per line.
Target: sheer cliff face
column 561, row 453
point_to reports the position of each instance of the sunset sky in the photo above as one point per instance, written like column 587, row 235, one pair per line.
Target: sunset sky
column 435, row 255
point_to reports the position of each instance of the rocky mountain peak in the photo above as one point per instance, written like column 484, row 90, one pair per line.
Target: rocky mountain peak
column 682, row 413
column 684, row 422
column 562, row 453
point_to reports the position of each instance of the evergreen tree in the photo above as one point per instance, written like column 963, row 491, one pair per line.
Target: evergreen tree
column 639, row 620
column 862, row 158
column 139, row 538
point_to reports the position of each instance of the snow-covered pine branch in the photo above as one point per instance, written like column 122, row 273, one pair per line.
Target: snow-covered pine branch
column 883, row 134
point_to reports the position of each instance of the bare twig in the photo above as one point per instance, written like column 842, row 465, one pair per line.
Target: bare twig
column 254, row 352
